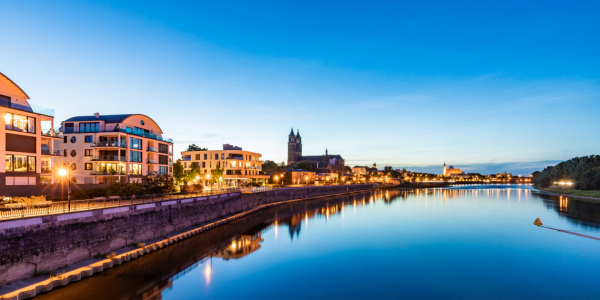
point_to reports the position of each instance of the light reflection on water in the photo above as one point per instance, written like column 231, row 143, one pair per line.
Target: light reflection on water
column 469, row 241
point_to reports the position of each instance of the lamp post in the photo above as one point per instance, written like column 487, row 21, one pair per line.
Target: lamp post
column 208, row 179
column 67, row 172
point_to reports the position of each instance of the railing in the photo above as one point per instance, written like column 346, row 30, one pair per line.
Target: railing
column 152, row 149
column 108, row 158
column 46, row 170
column 186, row 158
column 50, row 133
column 152, row 161
column 108, row 144
column 254, row 168
column 258, row 189
column 107, row 172
column 46, row 151
column 235, row 157
column 11, row 211
column 128, row 131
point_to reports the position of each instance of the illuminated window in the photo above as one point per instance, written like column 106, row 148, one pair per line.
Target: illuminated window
column 31, row 167
column 9, row 163
column 135, row 169
column 20, row 163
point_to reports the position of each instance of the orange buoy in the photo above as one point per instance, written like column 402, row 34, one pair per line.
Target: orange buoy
column 537, row 222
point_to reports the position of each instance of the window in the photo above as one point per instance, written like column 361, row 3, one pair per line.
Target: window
column 185, row 165
column 9, row 163
column 197, row 156
column 217, row 156
column 89, row 127
column 205, row 155
column 73, row 153
column 135, row 169
column 204, row 164
column 222, row 155
column 135, row 156
column 88, row 166
column 163, row 148
column 88, row 138
column 163, row 170
column 65, row 153
column 89, row 152
column 135, row 143
column 73, row 139
column 19, row 123
column 31, row 164
column 65, row 139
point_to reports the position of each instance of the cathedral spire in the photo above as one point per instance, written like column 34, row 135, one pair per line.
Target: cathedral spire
column 297, row 134
column 292, row 132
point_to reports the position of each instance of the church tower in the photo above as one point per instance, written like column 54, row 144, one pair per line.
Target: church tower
column 294, row 147
column 444, row 171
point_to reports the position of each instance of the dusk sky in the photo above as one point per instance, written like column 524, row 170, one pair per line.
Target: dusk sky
column 485, row 87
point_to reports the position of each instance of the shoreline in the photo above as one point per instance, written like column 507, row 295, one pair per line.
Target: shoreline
column 33, row 286
column 542, row 191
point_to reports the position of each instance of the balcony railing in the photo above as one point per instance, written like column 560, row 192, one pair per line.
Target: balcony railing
column 46, row 170
column 186, row 158
column 128, row 131
column 235, row 157
column 108, row 144
column 107, row 172
column 108, row 158
column 46, row 151
column 152, row 161
column 152, row 149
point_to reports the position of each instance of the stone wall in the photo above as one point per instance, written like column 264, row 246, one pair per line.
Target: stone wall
column 56, row 190
column 50, row 242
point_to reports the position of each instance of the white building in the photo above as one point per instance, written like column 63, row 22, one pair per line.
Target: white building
column 110, row 148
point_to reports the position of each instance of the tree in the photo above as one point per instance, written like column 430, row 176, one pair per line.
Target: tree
column 347, row 169
column 216, row 174
column 193, row 172
column 178, row 171
column 193, row 147
column 388, row 168
column 269, row 166
column 161, row 184
column 282, row 165
column 305, row 164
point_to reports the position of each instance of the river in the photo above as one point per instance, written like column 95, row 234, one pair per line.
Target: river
column 463, row 242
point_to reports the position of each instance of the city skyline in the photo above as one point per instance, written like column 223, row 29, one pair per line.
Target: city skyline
column 401, row 85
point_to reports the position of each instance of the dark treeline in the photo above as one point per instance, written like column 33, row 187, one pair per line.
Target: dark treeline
column 585, row 171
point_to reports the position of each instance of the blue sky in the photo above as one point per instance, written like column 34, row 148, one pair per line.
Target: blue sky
column 487, row 87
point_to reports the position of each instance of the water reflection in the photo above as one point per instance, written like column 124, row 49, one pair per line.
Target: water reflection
column 151, row 275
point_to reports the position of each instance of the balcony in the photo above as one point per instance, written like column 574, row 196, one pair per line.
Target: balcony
column 170, row 163
column 108, row 158
column 152, row 161
column 107, row 172
column 186, row 158
column 108, row 144
column 235, row 157
column 128, row 131
column 152, row 149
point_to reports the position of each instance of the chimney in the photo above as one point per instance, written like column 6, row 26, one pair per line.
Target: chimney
column 97, row 115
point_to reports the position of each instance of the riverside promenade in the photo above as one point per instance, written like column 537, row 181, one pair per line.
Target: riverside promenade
column 50, row 244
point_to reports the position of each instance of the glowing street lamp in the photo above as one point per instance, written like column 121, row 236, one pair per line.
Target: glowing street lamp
column 306, row 179
column 67, row 173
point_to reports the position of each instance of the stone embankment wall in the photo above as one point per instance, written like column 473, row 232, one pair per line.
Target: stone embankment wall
column 46, row 243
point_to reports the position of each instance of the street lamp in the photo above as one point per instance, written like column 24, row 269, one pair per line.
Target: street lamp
column 66, row 172
column 208, row 178
column 306, row 180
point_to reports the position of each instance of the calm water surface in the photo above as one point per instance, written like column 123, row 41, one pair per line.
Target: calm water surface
column 469, row 242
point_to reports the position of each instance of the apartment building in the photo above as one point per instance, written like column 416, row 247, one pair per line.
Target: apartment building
column 114, row 148
column 24, row 144
column 239, row 167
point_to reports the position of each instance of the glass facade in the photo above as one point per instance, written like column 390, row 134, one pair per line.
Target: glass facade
column 135, row 143
column 19, row 123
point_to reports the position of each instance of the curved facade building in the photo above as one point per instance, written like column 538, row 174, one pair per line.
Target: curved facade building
column 109, row 148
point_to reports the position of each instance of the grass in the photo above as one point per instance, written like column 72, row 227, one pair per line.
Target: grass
column 574, row 192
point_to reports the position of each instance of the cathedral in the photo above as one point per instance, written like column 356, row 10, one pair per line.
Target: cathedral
column 295, row 153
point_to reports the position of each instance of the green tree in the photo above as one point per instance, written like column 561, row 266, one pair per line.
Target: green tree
column 178, row 171
column 269, row 165
column 388, row 168
column 193, row 172
column 305, row 164
column 193, row 147
column 216, row 174
column 347, row 169
column 161, row 184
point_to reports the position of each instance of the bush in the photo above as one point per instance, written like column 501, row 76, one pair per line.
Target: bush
column 193, row 188
column 123, row 189
column 113, row 255
column 88, row 194
column 140, row 245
